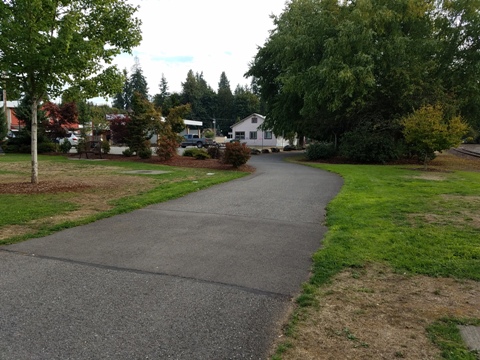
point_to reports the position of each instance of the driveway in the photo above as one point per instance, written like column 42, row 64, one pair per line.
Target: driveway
column 211, row 275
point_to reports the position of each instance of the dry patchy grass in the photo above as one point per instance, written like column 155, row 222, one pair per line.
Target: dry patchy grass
column 373, row 313
column 94, row 187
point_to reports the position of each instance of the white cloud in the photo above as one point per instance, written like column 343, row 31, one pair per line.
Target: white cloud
column 208, row 36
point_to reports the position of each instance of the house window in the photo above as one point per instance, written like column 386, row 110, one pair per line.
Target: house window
column 268, row 135
column 253, row 135
column 254, row 120
column 240, row 135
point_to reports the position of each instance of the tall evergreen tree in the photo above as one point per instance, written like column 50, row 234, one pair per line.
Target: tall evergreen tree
column 160, row 98
column 138, row 83
column 200, row 96
column 171, row 101
column 225, row 111
column 122, row 100
column 144, row 121
column 245, row 102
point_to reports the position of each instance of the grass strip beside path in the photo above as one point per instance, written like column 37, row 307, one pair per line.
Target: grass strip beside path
column 420, row 222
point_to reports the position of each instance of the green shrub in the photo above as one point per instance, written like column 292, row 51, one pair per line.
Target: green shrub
column 9, row 148
column 105, row 147
column 320, row 150
column 145, row 153
column 426, row 132
column 366, row 146
column 193, row 152
column 127, row 152
column 236, row 154
column 46, row 147
column 202, row 156
column 209, row 134
column 65, row 147
column 82, row 146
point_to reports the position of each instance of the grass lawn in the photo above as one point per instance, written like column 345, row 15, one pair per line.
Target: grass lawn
column 397, row 235
column 74, row 192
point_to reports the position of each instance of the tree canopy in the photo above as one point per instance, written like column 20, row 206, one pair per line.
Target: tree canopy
column 47, row 46
column 331, row 67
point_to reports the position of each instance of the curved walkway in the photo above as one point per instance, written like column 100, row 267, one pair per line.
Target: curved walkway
column 207, row 276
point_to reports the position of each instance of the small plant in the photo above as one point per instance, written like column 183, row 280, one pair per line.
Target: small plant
column 127, row 152
column 320, row 150
column 105, row 147
column 214, row 152
column 202, row 156
column 82, row 146
column 46, row 147
column 209, row 134
column 193, row 152
column 198, row 154
column 145, row 153
column 236, row 154
column 65, row 147
column 445, row 334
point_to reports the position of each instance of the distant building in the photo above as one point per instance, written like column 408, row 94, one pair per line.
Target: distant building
column 250, row 132
column 13, row 123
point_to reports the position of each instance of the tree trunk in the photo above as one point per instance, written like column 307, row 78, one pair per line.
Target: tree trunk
column 34, row 142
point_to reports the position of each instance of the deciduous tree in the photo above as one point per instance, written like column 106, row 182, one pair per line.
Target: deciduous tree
column 59, row 118
column 48, row 45
column 332, row 67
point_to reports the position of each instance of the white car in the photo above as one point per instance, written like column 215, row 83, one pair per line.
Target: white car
column 70, row 137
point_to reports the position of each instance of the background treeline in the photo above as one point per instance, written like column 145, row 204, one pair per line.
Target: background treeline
column 206, row 103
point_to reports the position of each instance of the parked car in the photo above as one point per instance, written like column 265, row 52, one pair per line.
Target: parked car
column 195, row 140
column 70, row 137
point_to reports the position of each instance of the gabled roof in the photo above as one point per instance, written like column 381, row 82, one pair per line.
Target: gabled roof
column 248, row 117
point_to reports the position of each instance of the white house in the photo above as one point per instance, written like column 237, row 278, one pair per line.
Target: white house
column 249, row 131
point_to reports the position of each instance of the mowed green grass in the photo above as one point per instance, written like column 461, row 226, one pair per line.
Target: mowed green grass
column 15, row 212
column 415, row 221
column 23, row 209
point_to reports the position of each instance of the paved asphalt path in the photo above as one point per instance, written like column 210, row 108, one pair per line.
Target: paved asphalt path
column 207, row 276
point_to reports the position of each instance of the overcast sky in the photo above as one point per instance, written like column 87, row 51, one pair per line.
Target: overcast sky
column 208, row 36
